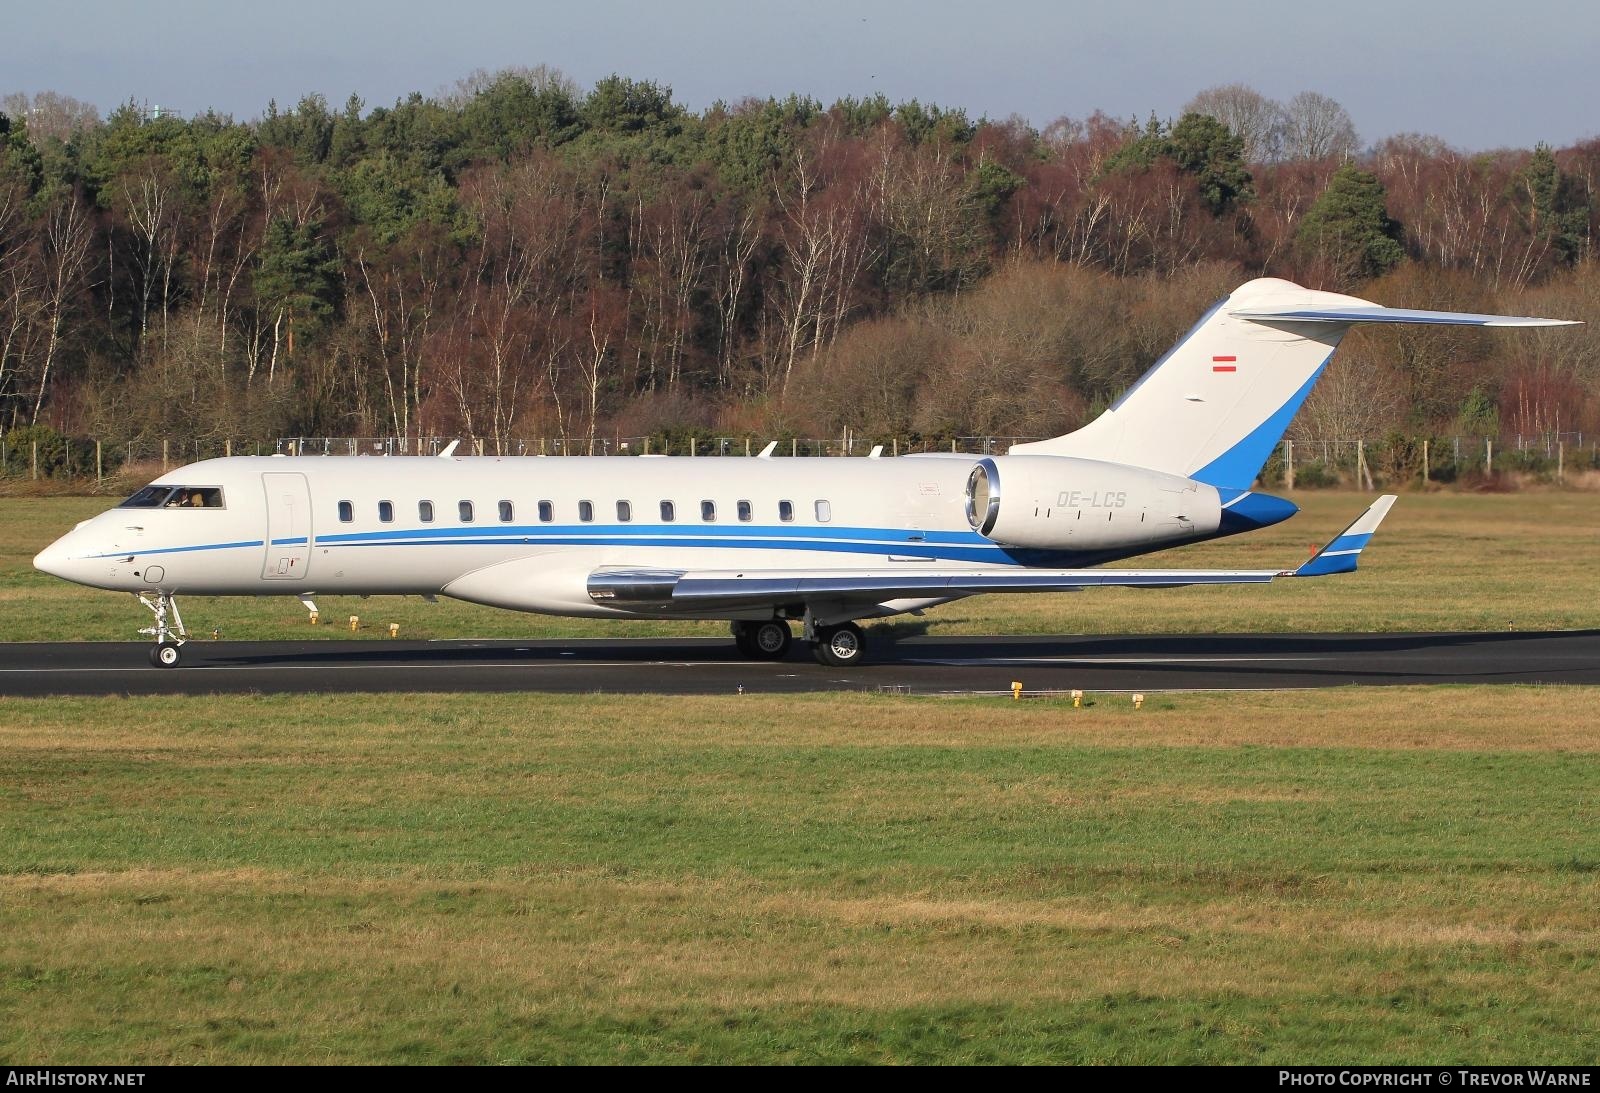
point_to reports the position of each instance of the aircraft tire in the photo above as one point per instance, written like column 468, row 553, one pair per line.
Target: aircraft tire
column 166, row 655
column 842, row 646
column 770, row 640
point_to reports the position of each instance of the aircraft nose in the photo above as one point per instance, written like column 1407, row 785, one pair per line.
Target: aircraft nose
column 52, row 559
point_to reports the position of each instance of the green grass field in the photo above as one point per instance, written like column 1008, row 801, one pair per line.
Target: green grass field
column 1377, row 875
column 1442, row 561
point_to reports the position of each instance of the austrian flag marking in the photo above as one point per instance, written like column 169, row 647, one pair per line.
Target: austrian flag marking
column 1224, row 364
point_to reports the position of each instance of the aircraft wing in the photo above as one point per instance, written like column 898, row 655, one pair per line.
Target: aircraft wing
column 700, row 590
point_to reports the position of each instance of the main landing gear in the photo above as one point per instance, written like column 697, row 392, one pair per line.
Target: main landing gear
column 169, row 636
column 841, row 646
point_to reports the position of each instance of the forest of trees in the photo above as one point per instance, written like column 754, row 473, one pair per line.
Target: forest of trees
column 521, row 257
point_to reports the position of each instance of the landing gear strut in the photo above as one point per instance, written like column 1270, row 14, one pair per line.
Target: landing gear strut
column 842, row 646
column 169, row 637
column 762, row 640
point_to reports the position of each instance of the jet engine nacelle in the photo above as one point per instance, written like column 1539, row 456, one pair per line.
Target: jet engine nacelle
column 1065, row 503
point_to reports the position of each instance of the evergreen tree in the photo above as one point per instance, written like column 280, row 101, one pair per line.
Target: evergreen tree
column 1350, row 226
column 1556, row 206
column 297, row 280
column 1203, row 147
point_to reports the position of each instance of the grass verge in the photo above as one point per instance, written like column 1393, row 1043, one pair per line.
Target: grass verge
column 1361, row 875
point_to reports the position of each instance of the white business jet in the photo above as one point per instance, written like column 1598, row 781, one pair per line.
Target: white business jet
column 762, row 542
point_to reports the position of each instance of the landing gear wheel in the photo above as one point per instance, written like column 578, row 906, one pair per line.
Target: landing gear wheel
column 842, row 646
column 166, row 655
column 770, row 640
column 762, row 640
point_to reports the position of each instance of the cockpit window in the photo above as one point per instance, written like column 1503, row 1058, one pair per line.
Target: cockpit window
column 176, row 497
column 150, row 497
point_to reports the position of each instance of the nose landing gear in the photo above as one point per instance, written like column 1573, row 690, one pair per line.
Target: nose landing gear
column 169, row 636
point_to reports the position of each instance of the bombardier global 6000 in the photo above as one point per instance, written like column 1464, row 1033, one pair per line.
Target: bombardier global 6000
column 764, row 543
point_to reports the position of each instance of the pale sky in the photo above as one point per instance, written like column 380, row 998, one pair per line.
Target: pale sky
column 1476, row 73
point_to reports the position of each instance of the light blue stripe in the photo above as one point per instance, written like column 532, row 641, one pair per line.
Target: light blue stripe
column 183, row 549
column 987, row 552
column 685, row 531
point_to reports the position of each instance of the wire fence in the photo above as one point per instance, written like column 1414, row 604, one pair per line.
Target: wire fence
column 849, row 444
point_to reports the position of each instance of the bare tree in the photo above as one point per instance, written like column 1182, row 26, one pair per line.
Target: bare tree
column 403, row 286
column 1358, row 399
column 1316, row 127
column 50, row 113
column 825, row 243
column 1248, row 114
column 672, row 251
column 68, row 232
column 740, row 237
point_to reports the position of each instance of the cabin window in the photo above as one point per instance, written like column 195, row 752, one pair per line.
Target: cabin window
column 824, row 512
column 624, row 511
column 386, row 511
column 508, row 512
column 708, row 511
column 425, row 511
column 786, row 511
column 465, row 509
column 745, row 512
column 347, row 512
column 586, row 511
column 668, row 513
column 547, row 512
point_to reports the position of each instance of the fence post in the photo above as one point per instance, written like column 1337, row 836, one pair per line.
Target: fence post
column 794, row 445
column 227, row 448
column 692, row 446
column 165, row 463
column 99, row 465
column 1424, row 461
column 1561, row 461
column 35, row 461
column 1361, row 464
column 1488, row 456
column 1288, row 464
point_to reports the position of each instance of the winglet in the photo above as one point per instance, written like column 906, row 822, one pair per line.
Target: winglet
column 1340, row 555
column 766, row 453
column 449, row 449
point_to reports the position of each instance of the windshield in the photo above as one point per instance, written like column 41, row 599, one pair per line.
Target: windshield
column 175, row 497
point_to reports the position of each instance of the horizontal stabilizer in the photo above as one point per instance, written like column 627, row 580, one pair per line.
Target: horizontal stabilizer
column 1392, row 315
column 1341, row 554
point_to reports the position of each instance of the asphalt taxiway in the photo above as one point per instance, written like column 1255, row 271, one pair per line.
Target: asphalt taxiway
column 916, row 665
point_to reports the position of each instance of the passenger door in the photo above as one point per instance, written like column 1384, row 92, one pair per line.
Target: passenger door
column 288, row 553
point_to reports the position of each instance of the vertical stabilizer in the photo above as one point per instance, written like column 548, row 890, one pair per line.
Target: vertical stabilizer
column 1213, row 407
column 1216, row 405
